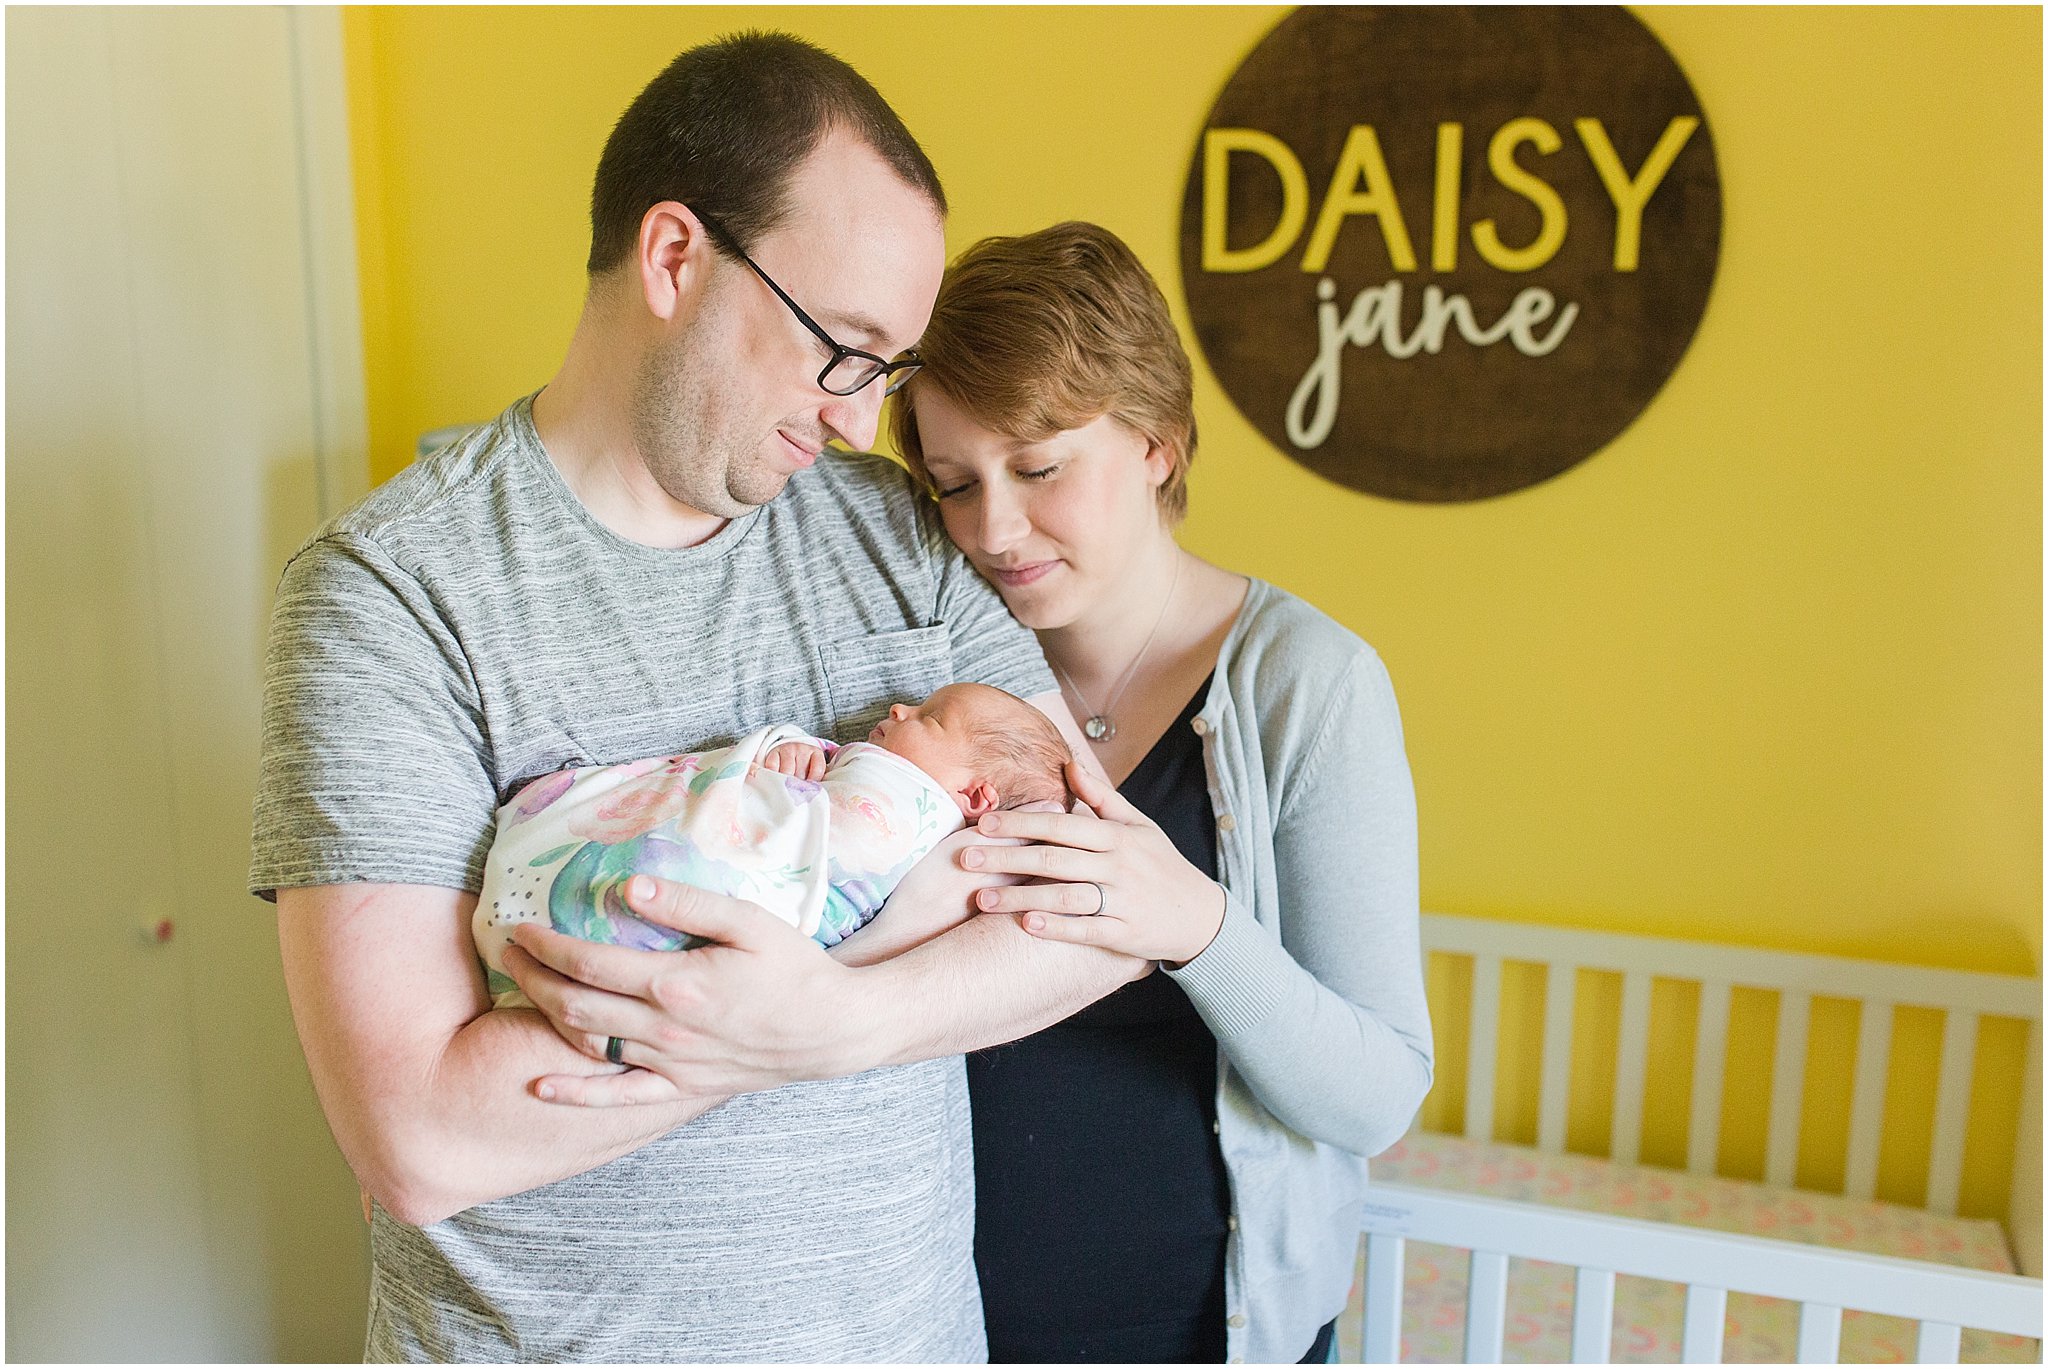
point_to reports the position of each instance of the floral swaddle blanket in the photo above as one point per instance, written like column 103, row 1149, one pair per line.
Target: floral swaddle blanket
column 821, row 855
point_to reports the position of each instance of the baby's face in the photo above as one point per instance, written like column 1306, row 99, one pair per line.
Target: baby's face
column 937, row 736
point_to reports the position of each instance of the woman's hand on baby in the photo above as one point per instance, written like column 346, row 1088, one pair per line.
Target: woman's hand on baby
column 1108, row 878
column 801, row 759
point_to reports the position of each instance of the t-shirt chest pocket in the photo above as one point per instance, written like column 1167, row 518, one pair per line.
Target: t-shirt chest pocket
column 867, row 674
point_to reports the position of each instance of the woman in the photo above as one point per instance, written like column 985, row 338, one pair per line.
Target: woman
column 1174, row 1173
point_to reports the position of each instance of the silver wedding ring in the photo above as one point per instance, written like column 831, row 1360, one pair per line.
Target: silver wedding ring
column 614, row 1049
column 1101, row 898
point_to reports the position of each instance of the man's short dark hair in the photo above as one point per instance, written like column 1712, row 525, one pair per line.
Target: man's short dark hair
column 724, row 127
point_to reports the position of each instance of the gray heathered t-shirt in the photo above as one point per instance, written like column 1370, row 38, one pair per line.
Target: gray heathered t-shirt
column 469, row 626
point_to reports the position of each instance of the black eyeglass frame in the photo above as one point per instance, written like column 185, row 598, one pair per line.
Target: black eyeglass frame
column 897, row 371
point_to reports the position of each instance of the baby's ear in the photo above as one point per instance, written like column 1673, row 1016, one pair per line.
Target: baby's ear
column 977, row 798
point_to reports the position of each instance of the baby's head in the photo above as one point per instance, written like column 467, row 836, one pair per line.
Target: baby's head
column 986, row 748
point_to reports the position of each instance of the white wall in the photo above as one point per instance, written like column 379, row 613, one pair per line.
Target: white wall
column 183, row 388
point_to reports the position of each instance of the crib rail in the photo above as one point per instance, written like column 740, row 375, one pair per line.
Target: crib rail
column 1711, row 1264
column 1879, row 987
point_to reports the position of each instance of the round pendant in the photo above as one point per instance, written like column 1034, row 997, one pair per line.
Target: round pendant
column 1099, row 728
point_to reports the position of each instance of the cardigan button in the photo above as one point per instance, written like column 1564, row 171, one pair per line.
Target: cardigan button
column 1201, row 727
column 1226, row 823
column 1237, row 1321
column 1231, row 1222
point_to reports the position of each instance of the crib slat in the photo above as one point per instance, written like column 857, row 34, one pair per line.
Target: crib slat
column 1593, row 1316
column 2023, row 1195
column 1481, row 1045
column 1866, row 1111
column 1951, row 1111
column 1486, row 1308
column 1820, row 1333
column 1788, row 1082
column 1381, row 1340
column 1709, row 1063
column 1706, row 1309
column 1940, row 1343
column 1630, row 1067
column 1560, row 989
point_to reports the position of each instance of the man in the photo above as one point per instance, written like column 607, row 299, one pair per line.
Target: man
column 615, row 569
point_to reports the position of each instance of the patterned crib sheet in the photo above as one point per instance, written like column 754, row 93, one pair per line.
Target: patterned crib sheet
column 1649, row 1313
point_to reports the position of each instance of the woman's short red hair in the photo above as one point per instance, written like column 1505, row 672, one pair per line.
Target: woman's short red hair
column 1038, row 334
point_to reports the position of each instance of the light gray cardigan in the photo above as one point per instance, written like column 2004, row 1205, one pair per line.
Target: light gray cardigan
column 1313, row 985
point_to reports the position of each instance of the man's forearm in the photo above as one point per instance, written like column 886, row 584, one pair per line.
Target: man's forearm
column 427, row 1089
column 481, row 1134
column 985, row 982
column 759, row 1006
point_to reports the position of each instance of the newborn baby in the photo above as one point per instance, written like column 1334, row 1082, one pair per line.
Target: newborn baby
column 817, row 834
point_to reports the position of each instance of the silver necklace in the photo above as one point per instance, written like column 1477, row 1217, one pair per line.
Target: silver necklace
column 1100, row 727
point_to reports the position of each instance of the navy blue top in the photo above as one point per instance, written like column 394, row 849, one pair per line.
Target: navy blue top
column 1101, row 1200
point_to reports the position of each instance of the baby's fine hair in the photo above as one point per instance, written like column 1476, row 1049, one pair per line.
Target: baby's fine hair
column 1025, row 758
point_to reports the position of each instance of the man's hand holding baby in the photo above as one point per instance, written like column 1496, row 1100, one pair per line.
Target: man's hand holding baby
column 750, row 1010
column 803, row 760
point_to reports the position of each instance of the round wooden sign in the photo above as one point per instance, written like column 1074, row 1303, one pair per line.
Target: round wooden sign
column 1440, row 254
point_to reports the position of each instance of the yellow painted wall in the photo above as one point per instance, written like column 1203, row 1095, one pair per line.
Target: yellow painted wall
column 1767, row 670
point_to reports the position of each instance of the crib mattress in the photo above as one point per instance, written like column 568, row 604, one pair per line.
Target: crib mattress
column 1649, row 1313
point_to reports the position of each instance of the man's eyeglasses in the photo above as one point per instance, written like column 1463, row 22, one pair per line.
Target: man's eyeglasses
column 850, row 370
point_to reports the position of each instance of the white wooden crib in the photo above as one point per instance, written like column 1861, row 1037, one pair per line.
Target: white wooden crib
column 1710, row 1265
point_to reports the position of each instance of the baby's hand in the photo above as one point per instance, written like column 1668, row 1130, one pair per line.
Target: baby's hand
column 801, row 759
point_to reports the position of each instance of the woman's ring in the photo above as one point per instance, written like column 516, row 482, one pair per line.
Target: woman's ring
column 1101, row 899
column 614, row 1049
